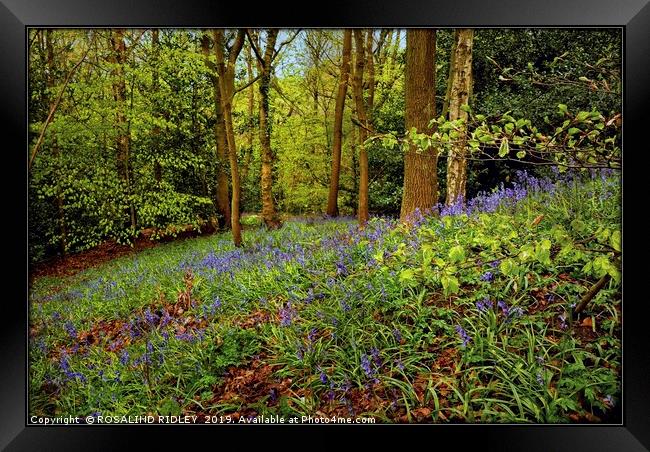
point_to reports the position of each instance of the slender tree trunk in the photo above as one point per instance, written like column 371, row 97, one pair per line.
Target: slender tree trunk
column 269, row 214
column 221, row 148
column 155, row 43
column 251, row 106
column 460, row 83
column 370, row 63
column 450, row 79
column 121, row 122
column 357, row 85
column 420, row 168
column 332, row 200
column 226, row 70
column 355, row 170
column 51, row 82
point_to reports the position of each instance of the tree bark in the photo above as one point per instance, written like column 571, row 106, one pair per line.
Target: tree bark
column 251, row 106
column 269, row 214
column 591, row 293
column 155, row 43
column 221, row 148
column 332, row 200
column 51, row 82
column 370, row 64
column 355, row 172
column 119, row 95
column 420, row 166
column 226, row 71
column 357, row 87
column 460, row 80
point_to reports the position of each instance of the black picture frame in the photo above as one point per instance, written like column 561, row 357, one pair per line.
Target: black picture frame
column 632, row 15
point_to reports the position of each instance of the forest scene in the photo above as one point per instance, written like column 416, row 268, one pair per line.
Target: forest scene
column 392, row 225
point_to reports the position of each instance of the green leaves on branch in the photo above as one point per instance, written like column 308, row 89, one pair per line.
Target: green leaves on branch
column 584, row 139
column 504, row 148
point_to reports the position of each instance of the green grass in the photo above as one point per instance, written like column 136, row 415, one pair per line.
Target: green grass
column 321, row 317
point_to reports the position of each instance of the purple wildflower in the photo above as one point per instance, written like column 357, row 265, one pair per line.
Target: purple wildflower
column 517, row 311
column 65, row 367
column 484, row 305
column 487, row 276
column 187, row 337
column 463, row 335
column 151, row 318
column 365, row 365
column 286, row 315
column 71, row 330
column 166, row 318
column 504, row 308
column 124, row 358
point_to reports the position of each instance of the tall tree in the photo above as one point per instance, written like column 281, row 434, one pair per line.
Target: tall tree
column 226, row 71
column 362, row 117
column 265, row 69
column 221, row 148
column 332, row 200
column 420, row 176
column 460, row 87
column 50, row 82
column 123, row 141
column 248, row 151
column 155, row 50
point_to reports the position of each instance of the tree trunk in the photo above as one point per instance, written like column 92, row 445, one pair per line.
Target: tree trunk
column 460, row 80
column 226, row 70
column 370, row 62
column 269, row 214
column 121, row 122
column 221, row 148
column 357, row 86
column 155, row 43
column 332, row 200
column 251, row 105
column 420, row 168
column 50, row 81
column 355, row 172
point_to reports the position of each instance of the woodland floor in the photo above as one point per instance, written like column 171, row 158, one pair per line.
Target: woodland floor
column 464, row 318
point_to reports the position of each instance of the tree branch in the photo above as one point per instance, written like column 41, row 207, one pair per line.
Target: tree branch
column 591, row 293
column 55, row 106
column 288, row 41
column 255, row 49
